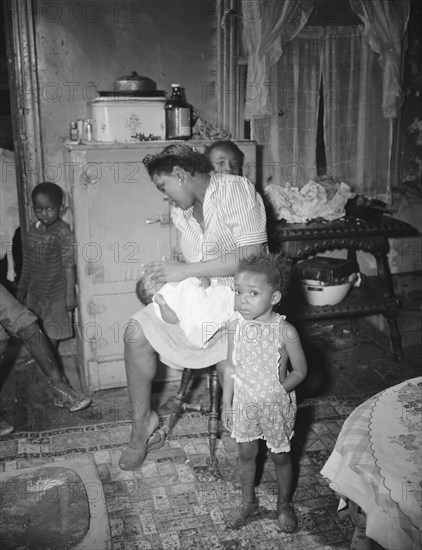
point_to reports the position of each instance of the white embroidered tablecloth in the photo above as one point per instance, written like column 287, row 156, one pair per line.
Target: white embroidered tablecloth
column 376, row 463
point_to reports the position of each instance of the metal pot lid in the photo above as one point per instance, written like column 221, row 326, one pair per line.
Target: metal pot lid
column 147, row 83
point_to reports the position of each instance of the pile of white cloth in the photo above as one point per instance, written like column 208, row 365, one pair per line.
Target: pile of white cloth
column 325, row 200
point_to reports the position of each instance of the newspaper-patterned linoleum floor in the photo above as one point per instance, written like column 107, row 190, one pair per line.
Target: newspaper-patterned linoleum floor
column 176, row 501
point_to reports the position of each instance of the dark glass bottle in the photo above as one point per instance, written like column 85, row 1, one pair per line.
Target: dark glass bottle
column 178, row 115
column 73, row 131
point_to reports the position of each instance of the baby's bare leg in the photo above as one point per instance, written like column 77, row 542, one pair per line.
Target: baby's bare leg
column 168, row 314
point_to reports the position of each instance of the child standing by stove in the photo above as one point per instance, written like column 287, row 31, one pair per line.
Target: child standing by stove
column 47, row 283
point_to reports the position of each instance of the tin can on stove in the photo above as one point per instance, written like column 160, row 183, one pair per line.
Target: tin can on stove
column 80, row 125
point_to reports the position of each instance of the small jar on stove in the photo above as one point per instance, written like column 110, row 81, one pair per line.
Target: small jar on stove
column 73, row 131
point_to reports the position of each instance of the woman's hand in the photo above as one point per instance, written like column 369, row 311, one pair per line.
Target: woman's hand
column 204, row 282
column 166, row 271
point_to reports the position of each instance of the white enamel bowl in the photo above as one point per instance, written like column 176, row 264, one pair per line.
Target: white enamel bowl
column 318, row 295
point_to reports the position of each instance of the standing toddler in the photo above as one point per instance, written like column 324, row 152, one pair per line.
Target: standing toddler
column 265, row 364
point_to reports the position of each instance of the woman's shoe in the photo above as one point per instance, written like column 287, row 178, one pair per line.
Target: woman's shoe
column 239, row 517
column 286, row 518
column 133, row 458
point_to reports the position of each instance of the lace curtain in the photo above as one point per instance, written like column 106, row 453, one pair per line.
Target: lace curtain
column 289, row 135
column 358, row 138
column 385, row 23
column 267, row 26
column 285, row 63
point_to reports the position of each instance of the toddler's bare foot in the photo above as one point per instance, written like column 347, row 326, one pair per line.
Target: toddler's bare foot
column 239, row 517
column 286, row 518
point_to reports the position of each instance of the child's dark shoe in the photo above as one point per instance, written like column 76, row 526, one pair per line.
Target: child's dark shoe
column 67, row 397
column 5, row 427
column 286, row 517
column 239, row 517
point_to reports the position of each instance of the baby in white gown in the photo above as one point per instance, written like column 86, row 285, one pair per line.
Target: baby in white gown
column 201, row 306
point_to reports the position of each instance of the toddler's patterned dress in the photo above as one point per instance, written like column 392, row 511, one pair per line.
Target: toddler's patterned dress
column 262, row 409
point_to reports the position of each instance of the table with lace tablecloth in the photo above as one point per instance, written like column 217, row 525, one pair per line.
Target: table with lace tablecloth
column 376, row 465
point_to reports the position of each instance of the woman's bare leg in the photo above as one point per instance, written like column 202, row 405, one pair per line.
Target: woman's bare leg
column 141, row 366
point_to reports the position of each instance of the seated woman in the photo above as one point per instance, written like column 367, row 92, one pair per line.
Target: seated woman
column 221, row 219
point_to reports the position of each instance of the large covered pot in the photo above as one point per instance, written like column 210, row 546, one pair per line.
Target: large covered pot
column 135, row 83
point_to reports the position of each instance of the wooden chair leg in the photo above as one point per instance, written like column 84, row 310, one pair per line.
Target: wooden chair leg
column 180, row 396
column 213, row 410
column 215, row 395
